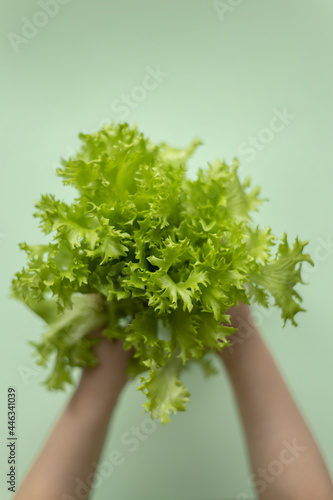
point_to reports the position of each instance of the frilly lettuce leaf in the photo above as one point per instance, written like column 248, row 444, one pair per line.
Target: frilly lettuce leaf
column 165, row 392
column 280, row 276
column 143, row 250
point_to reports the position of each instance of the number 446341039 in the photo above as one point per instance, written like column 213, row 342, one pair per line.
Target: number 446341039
column 11, row 411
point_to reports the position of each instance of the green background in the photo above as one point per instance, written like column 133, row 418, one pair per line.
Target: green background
column 225, row 77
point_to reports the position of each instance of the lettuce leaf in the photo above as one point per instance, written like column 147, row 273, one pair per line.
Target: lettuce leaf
column 143, row 250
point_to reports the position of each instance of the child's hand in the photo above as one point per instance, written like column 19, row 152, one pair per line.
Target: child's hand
column 247, row 331
column 109, row 376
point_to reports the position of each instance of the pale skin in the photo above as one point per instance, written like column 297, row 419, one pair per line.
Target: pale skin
column 285, row 460
column 271, row 419
column 76, row 441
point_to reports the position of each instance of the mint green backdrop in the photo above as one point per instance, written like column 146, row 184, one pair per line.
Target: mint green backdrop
column 223, row 71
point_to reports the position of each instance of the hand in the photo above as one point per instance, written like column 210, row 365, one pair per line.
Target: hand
column 242, row 340
column 106, row 380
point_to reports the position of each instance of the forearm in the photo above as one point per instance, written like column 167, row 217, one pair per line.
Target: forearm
column 72, row 451
column 285, row 460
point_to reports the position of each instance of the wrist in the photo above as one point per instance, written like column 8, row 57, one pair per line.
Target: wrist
column 244, row 341
column 99, row 390
column 103, row 383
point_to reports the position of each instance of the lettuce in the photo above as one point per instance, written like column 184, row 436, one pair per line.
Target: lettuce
column 154, row 258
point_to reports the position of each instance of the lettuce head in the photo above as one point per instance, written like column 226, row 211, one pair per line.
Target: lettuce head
column 153, row 258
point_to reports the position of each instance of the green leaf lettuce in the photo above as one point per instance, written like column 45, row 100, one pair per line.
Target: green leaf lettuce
column 143, row 249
